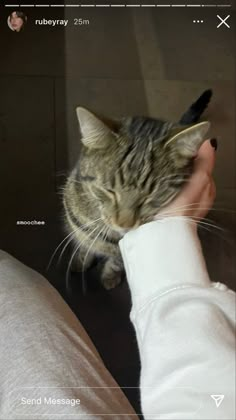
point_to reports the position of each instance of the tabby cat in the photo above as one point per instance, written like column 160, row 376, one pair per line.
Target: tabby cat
column 126, row 172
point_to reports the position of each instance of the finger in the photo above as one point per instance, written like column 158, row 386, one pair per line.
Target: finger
column 206, row 201
column 205, row 160
column 213, row 190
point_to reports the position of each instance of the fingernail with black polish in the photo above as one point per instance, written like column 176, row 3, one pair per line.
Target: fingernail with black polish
column 214, row 143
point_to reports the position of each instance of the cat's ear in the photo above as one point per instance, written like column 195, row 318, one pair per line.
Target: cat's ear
column 94, row 132
column 188, row 141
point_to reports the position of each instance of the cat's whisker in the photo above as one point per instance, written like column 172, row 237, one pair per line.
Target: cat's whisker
column 204, row 225
column 69, row 265
column 196, row 218
column 70, row 240
column 106, row 233
column 82, row 226
column 68, row 236
column 195, row 221
column 191, row 206
column 223, row 210
column 74, row 253
column 87, row 253
column 91, row 222
column 174, row 212
column 215, row 230
column 186, row 206
column 206, row 219
column 60, row 244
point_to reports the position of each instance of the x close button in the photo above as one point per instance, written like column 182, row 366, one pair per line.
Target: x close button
column 223, row 21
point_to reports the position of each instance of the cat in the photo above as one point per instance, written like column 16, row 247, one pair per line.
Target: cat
column 127, row 170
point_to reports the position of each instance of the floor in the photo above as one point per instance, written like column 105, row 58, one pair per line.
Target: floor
column 139, row 69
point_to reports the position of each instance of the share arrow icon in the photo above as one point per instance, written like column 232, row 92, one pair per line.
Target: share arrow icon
column 218, row 399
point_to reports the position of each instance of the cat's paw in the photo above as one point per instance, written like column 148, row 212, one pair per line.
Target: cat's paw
column 111, row 281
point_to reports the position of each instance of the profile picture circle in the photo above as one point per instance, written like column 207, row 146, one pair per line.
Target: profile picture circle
column 17, row 21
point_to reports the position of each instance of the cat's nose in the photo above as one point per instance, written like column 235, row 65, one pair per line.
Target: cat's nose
column 125, row 219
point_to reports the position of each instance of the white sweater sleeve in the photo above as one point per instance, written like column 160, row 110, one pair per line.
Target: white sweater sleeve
column 184, row 324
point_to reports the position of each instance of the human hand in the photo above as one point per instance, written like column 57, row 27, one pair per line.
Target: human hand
column 197, row 196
